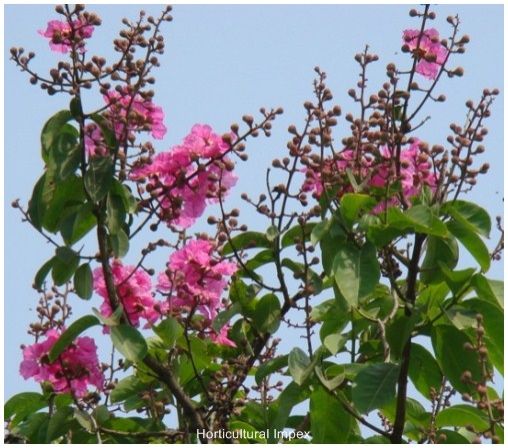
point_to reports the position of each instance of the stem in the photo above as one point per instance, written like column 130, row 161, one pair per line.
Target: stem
column 400, row 413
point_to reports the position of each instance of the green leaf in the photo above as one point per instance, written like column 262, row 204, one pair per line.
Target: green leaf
column 339, row 373
column 111, row 321
column 463, row 415
column 260, row 259
column 69, row 335
column 84, row 419
column 267, row 314
column 448, row 344
column 490, row 290
column 374, row 386
column 225, row 316
column 52, row 129
column 42, row 273
column 169, row 330
column 398, row 332
column 329, row 421
column 297, row 233
column 59, row 423
column 424, row 370
column 335, row 342
column 470, row 215
column 61, row 201
column 34, row 428
column 129, row 342
column 119, row 243
column 83, row 281
column 77, row 223
column 65, row 263
column 298, row 363
column 290, row 397
column 20, row 406
column 99, row 177
column 353, row 205
column 356, row 271
column 36, row 204
column 319, row 231
column 246, row 240
column 451, row 437
column 418, row 218
column 270, row 367
column 472, row 242
column 126, row 388
column 439, row 250
column 116, row 212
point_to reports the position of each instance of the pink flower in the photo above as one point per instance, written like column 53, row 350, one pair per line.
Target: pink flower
column 75, row 369
column 186, row 178
column 134, row 290
column 61, row 34
column 195, row 281
column 94, row 141
column 427, row 49
column 138, row 113
column 222, row 337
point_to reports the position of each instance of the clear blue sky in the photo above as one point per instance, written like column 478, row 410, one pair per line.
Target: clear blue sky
column 222, row 62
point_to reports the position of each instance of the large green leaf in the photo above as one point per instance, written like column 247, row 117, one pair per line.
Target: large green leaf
column 463, row 415
column 126, row 388
column 36, row 204
column 99, row 177
column 59, row 423
column 438, row 250
column 42, row 273
column 489, row 290
column 267, row 314
column 299, row 364
column 424, row 371
column 65, row 263
column 270, row 367
column 129, row 342
column 353, row 205
column 246, row 240
column 51, row 131
column 77, row 223
column 374, row 386
column 329, row 421
column 448, row 343
column 20, row 406
column 472, row 242
column 356, row 271
column 419, row 218
column 69, row 335
column 297, row 233
column 398, row 332
column 60, row 200
column 83, row 281
column 470, row 215
column 282, row 407
column 169, row 330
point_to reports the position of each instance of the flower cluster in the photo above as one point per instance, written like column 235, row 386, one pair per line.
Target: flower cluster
column 377, row 171
column 134, row 290
column 129, row 112
column 188, row 176
column 62, row 34
column 427, row 49
column 195, row 281
column 74, row 370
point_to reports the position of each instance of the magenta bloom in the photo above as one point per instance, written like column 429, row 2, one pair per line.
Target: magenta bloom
column 187, row 177
column 134, row 291
column 76, row 368
column 138, row 113
column 195, row 280
column 430, row 53
column 94, row 141
column 61, row 34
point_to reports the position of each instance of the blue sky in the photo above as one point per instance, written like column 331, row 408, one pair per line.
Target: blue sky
column 222, row 62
